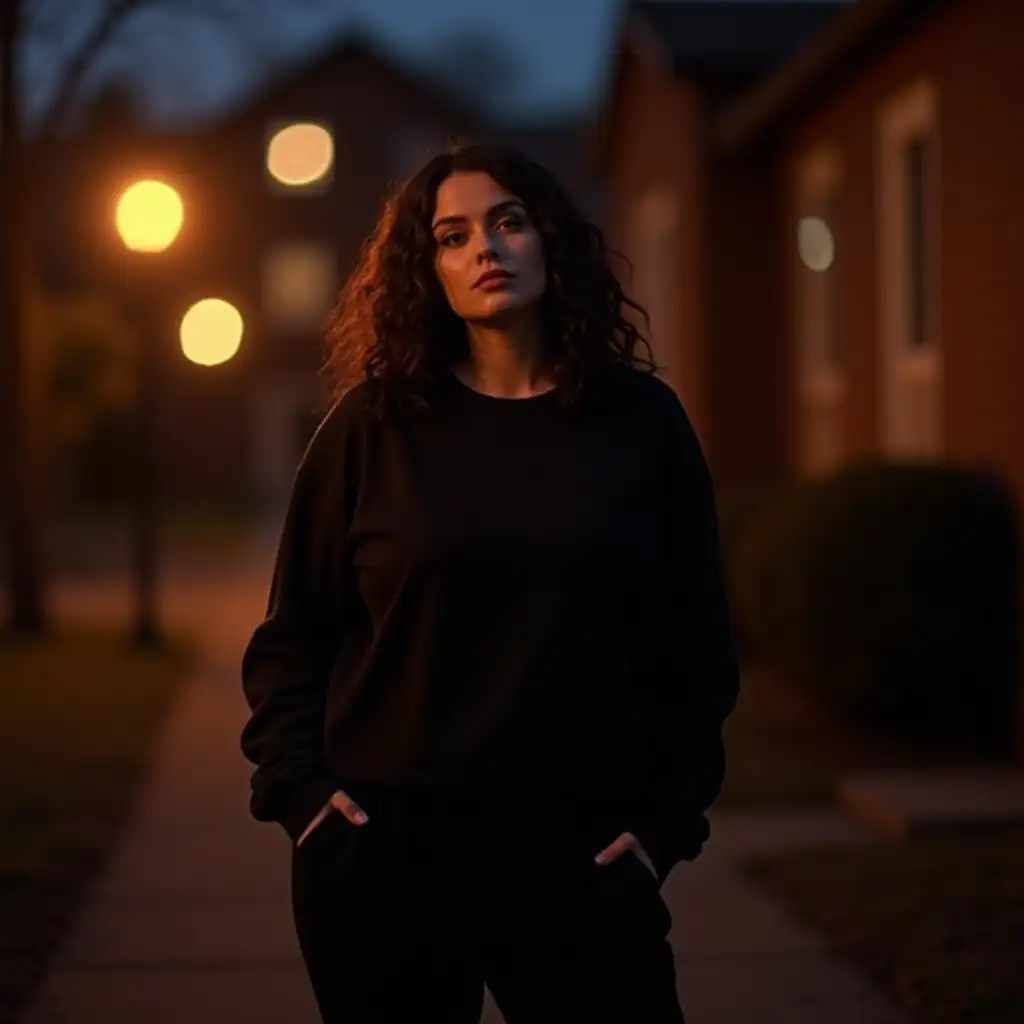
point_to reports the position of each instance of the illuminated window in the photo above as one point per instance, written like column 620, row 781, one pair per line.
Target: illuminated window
column 299, row 285
column 300, row 157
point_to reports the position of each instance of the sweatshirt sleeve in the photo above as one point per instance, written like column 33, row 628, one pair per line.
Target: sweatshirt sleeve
column 287, row 663
column 699, row 679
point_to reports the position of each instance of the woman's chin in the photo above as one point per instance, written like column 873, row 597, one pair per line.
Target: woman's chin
column 500, row 307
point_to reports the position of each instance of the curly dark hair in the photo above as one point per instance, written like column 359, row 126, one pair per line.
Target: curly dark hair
column 394, row 328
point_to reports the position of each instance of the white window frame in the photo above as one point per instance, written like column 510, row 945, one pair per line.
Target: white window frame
column 911, row 405
column 821, row 383
column 653, row 243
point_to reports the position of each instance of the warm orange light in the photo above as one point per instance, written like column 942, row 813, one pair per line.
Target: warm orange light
column 148, row 216
column 300, row 154
column 211, row 332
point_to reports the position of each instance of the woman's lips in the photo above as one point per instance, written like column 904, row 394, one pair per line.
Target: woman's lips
column 493, row 279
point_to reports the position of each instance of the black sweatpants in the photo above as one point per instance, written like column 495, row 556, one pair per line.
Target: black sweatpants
column 407, row 917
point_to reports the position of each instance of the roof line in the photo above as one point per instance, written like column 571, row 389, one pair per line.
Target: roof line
column 769, row 101
column 647, row 43
column 634, row 35
column 353, row 40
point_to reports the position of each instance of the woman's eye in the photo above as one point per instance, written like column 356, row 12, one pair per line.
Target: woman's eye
column 451, row 238
column 513, row 222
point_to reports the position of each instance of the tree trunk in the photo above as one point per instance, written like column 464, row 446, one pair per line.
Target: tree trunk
column 21, row 397
column 21, row 402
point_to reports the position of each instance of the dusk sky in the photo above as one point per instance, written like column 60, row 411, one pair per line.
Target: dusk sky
column 562, row 46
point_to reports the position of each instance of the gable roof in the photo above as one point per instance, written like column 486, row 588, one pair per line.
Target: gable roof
column 706, row 40
column 746, row 37
column 819, row 64
column 352, row 45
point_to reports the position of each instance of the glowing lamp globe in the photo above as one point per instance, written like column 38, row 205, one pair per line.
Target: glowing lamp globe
column 148, row 216
column 211, row 332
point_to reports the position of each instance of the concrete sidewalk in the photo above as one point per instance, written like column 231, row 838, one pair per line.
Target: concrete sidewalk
column 191, row 922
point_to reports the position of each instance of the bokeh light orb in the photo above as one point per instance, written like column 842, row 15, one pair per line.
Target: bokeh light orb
column 211, row 332
column 816, row 244
column 300, row 154
column 149, row 215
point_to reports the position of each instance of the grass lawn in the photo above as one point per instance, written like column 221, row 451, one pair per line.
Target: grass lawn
column 783, row 748
column 78, row 712
column 937, row 921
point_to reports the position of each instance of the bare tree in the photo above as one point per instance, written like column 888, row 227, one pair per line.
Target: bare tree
column 27, row 150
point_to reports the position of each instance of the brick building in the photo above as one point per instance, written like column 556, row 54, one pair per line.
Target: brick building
column 830, row 249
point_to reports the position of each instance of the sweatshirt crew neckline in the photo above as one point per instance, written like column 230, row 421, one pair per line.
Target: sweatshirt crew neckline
column 502, row 400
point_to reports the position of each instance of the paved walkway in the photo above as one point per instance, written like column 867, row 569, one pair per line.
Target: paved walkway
column 191, row 921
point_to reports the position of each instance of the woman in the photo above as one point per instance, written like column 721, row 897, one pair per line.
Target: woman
column 487, row 697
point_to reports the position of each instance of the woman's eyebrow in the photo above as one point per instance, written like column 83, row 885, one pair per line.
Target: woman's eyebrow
column 458, row 218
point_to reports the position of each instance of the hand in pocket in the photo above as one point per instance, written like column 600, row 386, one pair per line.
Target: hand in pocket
column 342, row 802
column 625, row 844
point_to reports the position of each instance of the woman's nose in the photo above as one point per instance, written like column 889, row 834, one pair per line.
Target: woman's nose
column 488, row 250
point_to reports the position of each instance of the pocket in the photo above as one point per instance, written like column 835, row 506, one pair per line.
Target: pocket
column 637, row 866
column 328, row 828
column 634, row 896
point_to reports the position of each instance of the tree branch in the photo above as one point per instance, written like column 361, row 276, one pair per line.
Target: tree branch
column 10, row 30
column 78, row 65
column 235, row 17
column 247, row 23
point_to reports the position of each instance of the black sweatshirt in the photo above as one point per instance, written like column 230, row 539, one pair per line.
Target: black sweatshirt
column 504, row 598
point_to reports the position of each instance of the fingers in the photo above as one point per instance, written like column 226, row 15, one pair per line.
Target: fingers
column 613, row 851
column 344, row 803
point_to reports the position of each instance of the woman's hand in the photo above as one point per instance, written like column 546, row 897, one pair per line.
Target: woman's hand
column 625, row 843
column 342, row 802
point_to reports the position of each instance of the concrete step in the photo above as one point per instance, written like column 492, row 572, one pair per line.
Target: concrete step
column 898, row 804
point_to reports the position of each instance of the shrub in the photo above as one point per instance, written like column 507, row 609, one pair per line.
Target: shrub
column 741, row 507
column 891, row 590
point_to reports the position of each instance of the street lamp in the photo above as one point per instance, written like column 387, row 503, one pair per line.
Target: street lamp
column 148, row 217
column 211, row 332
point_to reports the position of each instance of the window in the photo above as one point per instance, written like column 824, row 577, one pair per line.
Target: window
column 299, row 285
column 820, row 357
column 300, row 157
column 908, row 232
column 917, row 160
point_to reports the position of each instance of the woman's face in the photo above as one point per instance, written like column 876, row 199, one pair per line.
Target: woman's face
column 490, row 258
